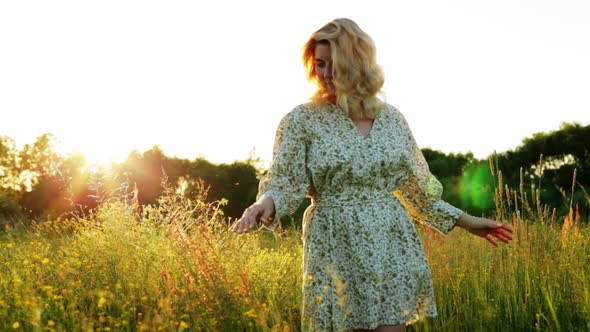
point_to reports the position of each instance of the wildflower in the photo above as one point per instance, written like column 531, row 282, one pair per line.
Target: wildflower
column 101, row 302
column 45, row 260
column 250, row 313
column 15, row 325
column 183, row 325
column 50, row 323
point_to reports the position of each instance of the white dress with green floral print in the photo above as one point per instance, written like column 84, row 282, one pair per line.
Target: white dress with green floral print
column 364, row 264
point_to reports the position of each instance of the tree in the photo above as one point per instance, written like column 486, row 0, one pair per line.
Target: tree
column 39, row 160
column 146, row 171
column 548, row 160
column 8, row 164
column 39, row 166
column 467, row 182
column 9, row 185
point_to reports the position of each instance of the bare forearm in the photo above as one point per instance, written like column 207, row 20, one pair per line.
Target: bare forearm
column 466, row 221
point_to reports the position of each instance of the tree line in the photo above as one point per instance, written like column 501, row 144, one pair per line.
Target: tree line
column 36, row 182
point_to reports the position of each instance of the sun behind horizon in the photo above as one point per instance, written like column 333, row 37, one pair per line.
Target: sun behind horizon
column 98, row 154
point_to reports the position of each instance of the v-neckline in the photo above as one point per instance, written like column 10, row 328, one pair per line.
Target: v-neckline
column 353, row 127
column 358, row 132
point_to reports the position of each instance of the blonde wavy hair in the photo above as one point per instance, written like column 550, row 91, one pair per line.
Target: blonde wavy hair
column 357, row 77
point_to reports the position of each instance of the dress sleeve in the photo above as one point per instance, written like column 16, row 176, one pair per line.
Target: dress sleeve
column 421, row 194
column 287, row 180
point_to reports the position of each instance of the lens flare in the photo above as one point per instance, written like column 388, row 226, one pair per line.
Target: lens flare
column 476, row 187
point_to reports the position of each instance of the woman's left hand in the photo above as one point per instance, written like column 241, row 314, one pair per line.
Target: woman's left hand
column 490, row 230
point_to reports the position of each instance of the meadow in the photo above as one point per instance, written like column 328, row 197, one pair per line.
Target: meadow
column 177, row 267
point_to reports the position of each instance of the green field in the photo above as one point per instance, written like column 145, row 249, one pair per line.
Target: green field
column 177, row 267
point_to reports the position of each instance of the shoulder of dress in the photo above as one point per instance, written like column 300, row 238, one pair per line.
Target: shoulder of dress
column 311, row 107
column 307, row 111
column 302, row 108
column 395, row 117
column 300, row 111
column 388, row 108
column 392, row 111
column 298, row 117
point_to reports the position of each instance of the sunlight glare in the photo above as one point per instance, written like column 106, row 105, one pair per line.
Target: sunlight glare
column 96, row 154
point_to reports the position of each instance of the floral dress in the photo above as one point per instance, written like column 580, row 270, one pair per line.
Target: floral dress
column 364, row 264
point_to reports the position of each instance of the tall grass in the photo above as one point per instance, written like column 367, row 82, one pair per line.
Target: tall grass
column 176, row 267
column 173, row 267
column 540, row 282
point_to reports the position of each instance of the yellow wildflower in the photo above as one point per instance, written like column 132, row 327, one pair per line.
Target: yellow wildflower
column 250, row 313
column 15, row 325
column 101, row 302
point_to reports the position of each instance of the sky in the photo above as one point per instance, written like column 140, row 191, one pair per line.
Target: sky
column 212, row 79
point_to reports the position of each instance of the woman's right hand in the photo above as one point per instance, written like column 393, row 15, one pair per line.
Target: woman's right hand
column 262, row 211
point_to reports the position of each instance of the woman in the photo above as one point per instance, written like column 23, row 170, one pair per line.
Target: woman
column 364, row 264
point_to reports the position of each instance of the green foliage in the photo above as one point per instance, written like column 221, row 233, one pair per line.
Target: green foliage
column 8, row 163
column 27, row 174
column 44, row 184
column 446, row 166
column 236, row 182
column 549, row 161
column 9, row 210
column 566, row 146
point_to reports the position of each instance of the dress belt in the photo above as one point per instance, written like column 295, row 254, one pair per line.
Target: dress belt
column 353, row 198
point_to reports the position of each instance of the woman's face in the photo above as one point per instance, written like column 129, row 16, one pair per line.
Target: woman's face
column 323, row 67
